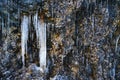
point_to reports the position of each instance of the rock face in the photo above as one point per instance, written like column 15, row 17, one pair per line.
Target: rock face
column 82, row 40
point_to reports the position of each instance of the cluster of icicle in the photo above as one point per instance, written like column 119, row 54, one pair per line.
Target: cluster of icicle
column 40, row 28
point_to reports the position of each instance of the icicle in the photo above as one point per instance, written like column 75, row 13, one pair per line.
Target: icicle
column 93, row 23
column 114, row 70
column 24, row 37
column 0, row 30
column 8, row 23
column 101, row 4
column 41, row 39
column 36, row 26
column 117, row 43
column 2, row 25
column 18, row 16
column 107, row 3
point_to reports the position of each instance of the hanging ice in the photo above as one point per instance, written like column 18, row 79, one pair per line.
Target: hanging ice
column 116, row 46
column 24, row 37
column 40, row 28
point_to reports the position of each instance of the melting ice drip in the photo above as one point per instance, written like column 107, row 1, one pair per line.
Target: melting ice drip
column 40, row 28
column 24, row 37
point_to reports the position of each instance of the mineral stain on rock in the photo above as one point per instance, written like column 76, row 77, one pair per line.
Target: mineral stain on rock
column 59, row 40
